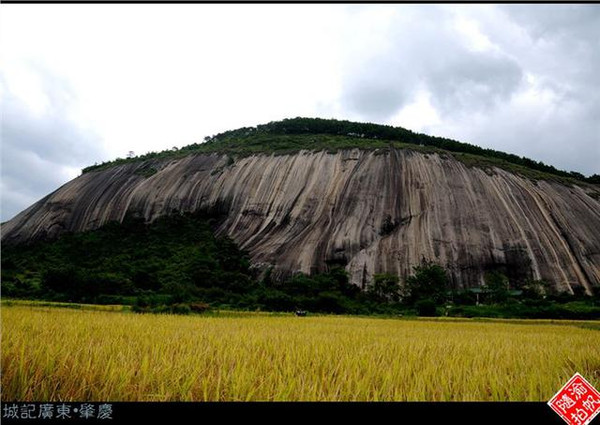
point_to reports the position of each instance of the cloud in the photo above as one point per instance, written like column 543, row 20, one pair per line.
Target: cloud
column 423, row 49
column 473, row 81
column 518, row 78
column 43, row 145
column 560, row 21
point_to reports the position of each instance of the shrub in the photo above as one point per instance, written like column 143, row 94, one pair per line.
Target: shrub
column 330, row 302
column 181, row 309
column 273, row 299
column 387, row 226
column 535, row 289
column 426, row 308
column 465, row 298
column 140, row 309
column 114, row 299
column 199, row 307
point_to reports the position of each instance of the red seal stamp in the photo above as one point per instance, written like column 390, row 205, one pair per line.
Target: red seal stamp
column 577, row 402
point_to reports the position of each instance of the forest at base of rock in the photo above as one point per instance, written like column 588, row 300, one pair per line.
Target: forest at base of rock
column 178, row 264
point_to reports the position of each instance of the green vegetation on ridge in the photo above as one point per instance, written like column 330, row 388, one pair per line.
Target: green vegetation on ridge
column 292, row 135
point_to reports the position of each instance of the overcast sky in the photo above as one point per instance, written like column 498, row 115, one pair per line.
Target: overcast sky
column 87, row 83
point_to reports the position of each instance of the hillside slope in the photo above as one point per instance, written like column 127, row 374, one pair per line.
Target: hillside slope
column 373, row 211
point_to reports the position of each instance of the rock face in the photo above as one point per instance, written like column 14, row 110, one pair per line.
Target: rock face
column 370, row 211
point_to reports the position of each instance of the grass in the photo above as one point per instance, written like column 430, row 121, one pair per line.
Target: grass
column 76, row 306
column 270, row 144
column 52, row 354
column 489, row 163
column 313, row 134
column 292, row 144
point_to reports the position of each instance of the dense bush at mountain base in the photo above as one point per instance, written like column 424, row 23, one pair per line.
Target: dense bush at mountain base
column 178, row 265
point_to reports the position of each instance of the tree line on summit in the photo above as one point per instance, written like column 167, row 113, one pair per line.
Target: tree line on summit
column 290, row 135
column 178, row 265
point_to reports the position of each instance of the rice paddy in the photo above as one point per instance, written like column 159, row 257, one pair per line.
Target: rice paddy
column 66, row 354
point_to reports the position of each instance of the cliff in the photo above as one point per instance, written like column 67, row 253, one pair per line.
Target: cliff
column 372, row 211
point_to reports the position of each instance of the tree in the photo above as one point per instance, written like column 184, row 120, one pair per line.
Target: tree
column 426, row 308
column 385, row 288
column 577, row 175
column 535, row 288
column 595, row 178
column 330, row 302
column 429, row 281
column 497, row 285
column 341, row 282
column 62, row 279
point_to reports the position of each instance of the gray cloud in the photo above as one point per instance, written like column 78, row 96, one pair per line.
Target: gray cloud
column 532, row 91
column 375, row 101
column 39, row 149
column 564, row 53
column 547, row 136
column 423, row 50
column 573, row 21
column 473, row 81
column 565, row 43
column 376, row 87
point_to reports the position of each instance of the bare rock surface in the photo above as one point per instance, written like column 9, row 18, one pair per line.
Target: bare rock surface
column 370, row 211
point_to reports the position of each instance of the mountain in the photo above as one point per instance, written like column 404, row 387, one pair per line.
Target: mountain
column 304, row 195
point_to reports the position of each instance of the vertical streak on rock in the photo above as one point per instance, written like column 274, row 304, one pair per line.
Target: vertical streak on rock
column 502, row 196
column 555, row 225
column 298, row 211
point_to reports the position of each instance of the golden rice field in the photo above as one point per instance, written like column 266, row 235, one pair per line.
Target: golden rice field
column 65, row 354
